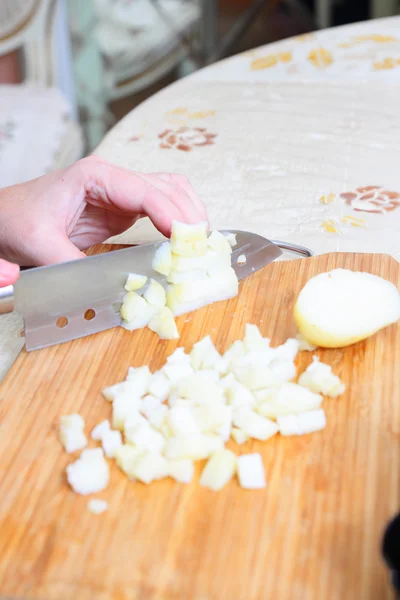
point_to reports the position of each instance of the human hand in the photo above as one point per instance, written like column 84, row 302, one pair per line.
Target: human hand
column 53, row 218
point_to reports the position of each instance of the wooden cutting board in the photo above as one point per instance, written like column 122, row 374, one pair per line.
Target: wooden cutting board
column 313, row 533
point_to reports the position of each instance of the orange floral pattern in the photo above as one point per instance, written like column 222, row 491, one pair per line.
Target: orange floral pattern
column 320, row 58
column 183, row 112
column 265, row 62
column 373, row 37
column 304, row 37
column 327, row 50
column 372, row 199
column 328, row 198
column 331, row 226
column 334, row 224
column 186, row 138
column 386, row 63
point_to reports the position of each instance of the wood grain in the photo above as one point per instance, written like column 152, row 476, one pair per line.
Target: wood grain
column 314, row 533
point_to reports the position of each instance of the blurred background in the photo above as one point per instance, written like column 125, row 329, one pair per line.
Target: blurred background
column 70, row 69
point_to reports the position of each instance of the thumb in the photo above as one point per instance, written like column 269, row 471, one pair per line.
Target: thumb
column 54, row 249
column 9, row 273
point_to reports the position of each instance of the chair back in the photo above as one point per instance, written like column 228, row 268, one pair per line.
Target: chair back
column 28, row 25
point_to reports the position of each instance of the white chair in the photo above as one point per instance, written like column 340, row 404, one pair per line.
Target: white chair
column 37, row 131
column 141, row 41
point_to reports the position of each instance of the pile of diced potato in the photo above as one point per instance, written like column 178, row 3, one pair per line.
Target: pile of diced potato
column 187, row 411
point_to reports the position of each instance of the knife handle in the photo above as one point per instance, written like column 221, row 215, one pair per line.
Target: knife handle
column 6, row 299
column 295, row 248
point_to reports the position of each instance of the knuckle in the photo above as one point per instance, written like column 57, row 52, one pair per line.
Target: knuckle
column 89, row 162
column 184, row 179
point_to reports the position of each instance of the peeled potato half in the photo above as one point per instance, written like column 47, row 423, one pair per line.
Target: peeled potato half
column 342, row 307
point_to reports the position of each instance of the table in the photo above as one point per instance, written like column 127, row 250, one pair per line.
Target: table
column 297, row 140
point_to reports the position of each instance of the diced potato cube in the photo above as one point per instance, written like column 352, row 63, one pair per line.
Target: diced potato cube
column 126, row 457
column 253, row 340
column 162, row 259
column 90, row 473
column 176, row 372
column 179, row 357
column 255, row 376
column 71, row 433
column 150, row 466
column 288, row 399
column 239, row 436
column 189, row 240
column 251, row 471
column 181, row 470
column 253, row 425
column 235, row 350
column 284, row 370
column 211, row 417
column 125, row 387
column 123, row 407
column 287, row 351
column 198, row 388
column 146, row 437
column 231, row 238
column 133, row 422
column 148, row 404
column 318, row 378
column 160, row 386
column 181, row 421
column 194, row 446
column 100, row 429
column 238, row 395
column 158, row 417
column 219, row 243
column 219, row 470
column 227, row 382
column 163, row 324
column 135, row 282
column 111, row 441
column 155, row 294
column 139, row 380
column 191, row 295
column 204, row 354
column 136, row 311
column 303, row 423
column 211, row 375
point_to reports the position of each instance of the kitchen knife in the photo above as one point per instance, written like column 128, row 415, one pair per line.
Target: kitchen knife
column 70, row 300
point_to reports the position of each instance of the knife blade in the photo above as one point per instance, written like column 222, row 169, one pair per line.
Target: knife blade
column 70, row 300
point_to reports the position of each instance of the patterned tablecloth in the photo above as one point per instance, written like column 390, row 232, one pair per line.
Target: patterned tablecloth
column 298, row 140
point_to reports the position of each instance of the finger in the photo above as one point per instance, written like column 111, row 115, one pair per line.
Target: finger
column 9, row 273
column 120, row 190
column 177, row 196
column 183, row 182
